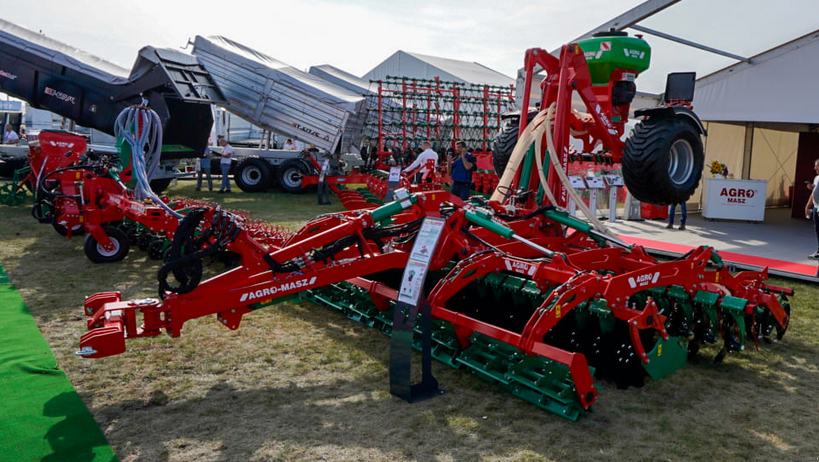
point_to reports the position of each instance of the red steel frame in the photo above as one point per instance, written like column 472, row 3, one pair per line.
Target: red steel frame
column 578, row 270
column 570, row 276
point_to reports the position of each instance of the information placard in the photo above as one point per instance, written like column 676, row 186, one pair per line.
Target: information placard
column 412, row 284
column 595, row 182
column 577, row 182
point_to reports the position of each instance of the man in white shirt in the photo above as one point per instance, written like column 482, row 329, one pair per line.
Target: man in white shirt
column 224, row 164
column 10, row 137
column 422, row 160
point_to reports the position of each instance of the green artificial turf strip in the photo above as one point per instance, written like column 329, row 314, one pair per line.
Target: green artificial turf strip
column 42, row 418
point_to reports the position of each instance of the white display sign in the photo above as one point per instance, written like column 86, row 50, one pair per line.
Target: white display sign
column 395, row 175
column 577, row 182
column 613, row 180
column 422, row 250
column 595, row 182
column 734, row 199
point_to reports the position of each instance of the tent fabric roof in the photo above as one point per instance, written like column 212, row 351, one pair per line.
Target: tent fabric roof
column 470, row 72
column 776, row 86
column 404, row 63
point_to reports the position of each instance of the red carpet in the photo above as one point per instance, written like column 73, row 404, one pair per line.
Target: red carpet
column 778, row 265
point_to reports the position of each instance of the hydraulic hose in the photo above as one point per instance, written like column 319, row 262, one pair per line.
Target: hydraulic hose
column 141, row 128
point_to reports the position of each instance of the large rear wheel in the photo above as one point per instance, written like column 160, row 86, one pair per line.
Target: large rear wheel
column 291, row 173
column 663, row 161
column 253, row 174
column 503, row 145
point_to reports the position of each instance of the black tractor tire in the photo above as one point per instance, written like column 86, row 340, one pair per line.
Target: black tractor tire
column 663, row 160
column 253, row 174
column 291, row 172
column 94, row 251
column 159, row 185
column 8, row 164
column 503, row 145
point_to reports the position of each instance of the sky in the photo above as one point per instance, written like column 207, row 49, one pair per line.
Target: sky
column 356, row 35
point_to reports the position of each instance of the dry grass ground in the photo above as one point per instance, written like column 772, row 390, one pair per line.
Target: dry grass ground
column 301, row 382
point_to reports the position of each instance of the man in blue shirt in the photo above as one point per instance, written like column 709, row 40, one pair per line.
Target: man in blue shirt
column 204, row 170
column 460, row 169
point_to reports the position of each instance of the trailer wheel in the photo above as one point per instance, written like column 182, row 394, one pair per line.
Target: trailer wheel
column 253, row 174
column 291, row 172
column 503, row 145
column 663, row 160
column 97, row 254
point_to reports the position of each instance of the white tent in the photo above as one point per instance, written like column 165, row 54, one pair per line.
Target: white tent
column 419, row 66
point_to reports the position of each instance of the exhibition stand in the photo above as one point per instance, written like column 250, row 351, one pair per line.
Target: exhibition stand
column 734, row 199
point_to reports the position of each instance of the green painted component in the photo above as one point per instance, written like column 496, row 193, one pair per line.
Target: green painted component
column 484, row 220
column 657, row 291
column 445, row 345
column 533, row 293
column 717, row 260
column 735, row 307
column 540, row 381
column 583, row 316
column 388, row 210
column 487, row 358
column 494, row 279
column 734, row 304
column 706, row 298
column 568, row 220
column 546, row 384
column 607, row 53
column 678, row 292
column 680, row 295
column 513, row 283
column 708, row 302
column 599, row 307
column 537, row 380
column 666, row 357
column 528, row 167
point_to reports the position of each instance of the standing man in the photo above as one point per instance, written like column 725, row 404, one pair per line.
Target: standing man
column 204, row 169
column 671, row 209
column 9, row 137
column 460, row 170
column 812, row 207
column 422, row 161
column 224, row 164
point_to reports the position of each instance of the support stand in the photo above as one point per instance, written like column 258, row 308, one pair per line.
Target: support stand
column 595, row 184
column 323, row 188
column 410, row 299
column 401, row 354
column 613, row 182
column 578, row 184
